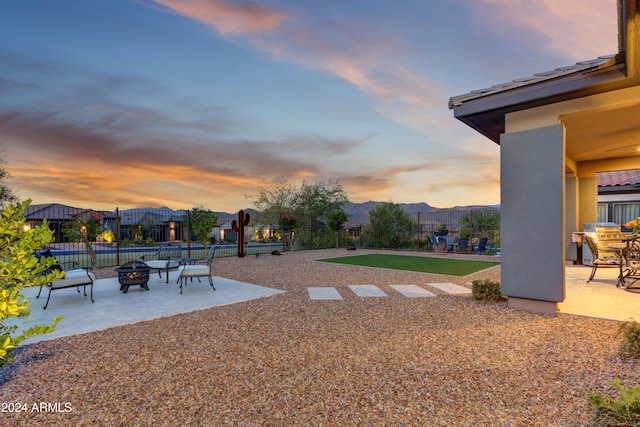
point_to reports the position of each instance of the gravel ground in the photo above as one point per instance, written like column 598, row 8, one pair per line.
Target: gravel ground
column 286, row 360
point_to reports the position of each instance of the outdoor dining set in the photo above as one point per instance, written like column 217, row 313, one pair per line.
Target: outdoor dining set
column 625, row 256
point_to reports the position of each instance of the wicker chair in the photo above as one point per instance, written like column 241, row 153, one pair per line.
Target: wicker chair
column 601, row 261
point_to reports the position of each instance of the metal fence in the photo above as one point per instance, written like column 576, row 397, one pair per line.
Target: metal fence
column 127, row 235
column 410, row 231
column 132, row 234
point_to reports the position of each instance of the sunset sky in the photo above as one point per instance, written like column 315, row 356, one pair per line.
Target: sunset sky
column 183, row 103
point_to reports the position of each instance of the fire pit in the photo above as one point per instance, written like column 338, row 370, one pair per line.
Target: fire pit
column 133, row 273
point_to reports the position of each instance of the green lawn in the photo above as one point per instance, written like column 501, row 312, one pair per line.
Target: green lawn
column 451, row 267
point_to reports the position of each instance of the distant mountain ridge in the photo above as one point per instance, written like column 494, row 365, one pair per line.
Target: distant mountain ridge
column 351, row 208
column 364, row 208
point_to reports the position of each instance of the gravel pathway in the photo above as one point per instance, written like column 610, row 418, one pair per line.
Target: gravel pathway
column 286, row 360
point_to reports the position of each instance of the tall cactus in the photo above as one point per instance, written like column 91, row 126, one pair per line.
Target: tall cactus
column 238, row 227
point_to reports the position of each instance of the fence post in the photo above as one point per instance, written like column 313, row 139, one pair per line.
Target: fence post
column 117, row 227
column 188, row 233
column 419, row 232
column 310, row 232
column 375, row 232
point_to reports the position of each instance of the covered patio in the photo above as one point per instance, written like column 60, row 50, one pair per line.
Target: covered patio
column 557, row 130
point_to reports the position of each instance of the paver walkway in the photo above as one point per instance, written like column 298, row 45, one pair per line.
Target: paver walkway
column 367, row 291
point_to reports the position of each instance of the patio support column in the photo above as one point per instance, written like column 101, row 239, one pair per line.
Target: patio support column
column 532, row 231
column 588, row 202
column 572, row 225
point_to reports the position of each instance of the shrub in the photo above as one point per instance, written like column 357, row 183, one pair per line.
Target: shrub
column 125, row 242
column 623, row 411
column 630, row 345
column 150, row 241
column 486, row 290
column 20, row 267
column 108, row 236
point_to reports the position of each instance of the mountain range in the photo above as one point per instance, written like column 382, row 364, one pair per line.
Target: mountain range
column 365, row 207
column 353, row 209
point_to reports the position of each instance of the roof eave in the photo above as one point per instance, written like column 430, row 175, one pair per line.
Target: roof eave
column 486, row 114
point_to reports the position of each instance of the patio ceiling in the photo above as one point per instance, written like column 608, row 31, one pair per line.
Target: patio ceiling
column 605, row 133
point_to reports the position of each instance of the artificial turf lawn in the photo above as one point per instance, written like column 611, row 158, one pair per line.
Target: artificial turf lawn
column 451, row 267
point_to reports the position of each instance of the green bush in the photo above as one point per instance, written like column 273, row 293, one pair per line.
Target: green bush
column 486, row 290
column 623, row 411
column 20, row 267
column 630, row 345
column 150, row 241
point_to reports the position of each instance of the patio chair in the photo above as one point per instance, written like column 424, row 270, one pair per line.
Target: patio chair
column 439, row 246
column 189, row 271
column 630, row 264
column 168, row 257
column 601, row 261
column 463, row 244
column 482, row 245
column 73, row 278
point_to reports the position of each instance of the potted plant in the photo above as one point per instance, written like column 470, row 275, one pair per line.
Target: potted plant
column 634, row 225
column 442, row 230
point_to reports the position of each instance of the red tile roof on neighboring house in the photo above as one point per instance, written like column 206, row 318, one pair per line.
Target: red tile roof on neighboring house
column 612, row 179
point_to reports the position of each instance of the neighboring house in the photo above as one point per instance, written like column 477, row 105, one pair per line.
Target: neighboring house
column 161, row 226
column 57, row 216
column 556, row 130
column 618, row 196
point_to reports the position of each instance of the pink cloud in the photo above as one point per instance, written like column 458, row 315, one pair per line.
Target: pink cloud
column 581, row 29
column 351, row 52
column 227, row 17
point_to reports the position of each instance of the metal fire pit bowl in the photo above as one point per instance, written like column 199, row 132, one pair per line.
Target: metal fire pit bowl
column 133, row 273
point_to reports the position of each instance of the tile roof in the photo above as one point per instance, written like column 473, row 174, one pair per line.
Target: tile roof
column 612, row 179
column 590, row 65
column 51, row 211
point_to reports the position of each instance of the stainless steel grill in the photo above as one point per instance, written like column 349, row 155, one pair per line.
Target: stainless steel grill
column 606, row 235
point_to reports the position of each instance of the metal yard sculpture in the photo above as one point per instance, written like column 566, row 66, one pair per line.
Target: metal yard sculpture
column 238, row 227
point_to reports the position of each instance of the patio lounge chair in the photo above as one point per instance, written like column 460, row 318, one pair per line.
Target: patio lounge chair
column 73, row 278
column 601, row 261
column 196, row 270
column 168, row 257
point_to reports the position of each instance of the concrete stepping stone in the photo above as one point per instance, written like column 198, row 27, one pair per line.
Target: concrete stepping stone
column 367, row 291
column 451, row 288
column 324, row 293
column 412, row 291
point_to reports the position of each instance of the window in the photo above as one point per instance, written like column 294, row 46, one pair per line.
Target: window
column 602, row 212
column 625, row 212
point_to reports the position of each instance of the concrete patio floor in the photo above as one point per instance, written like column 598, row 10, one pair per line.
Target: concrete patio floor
column 599, row 298
column 114, row 308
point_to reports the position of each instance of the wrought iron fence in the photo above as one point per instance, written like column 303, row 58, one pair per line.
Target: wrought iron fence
column 131, row 234
column 411, row 231
column 128, row 235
